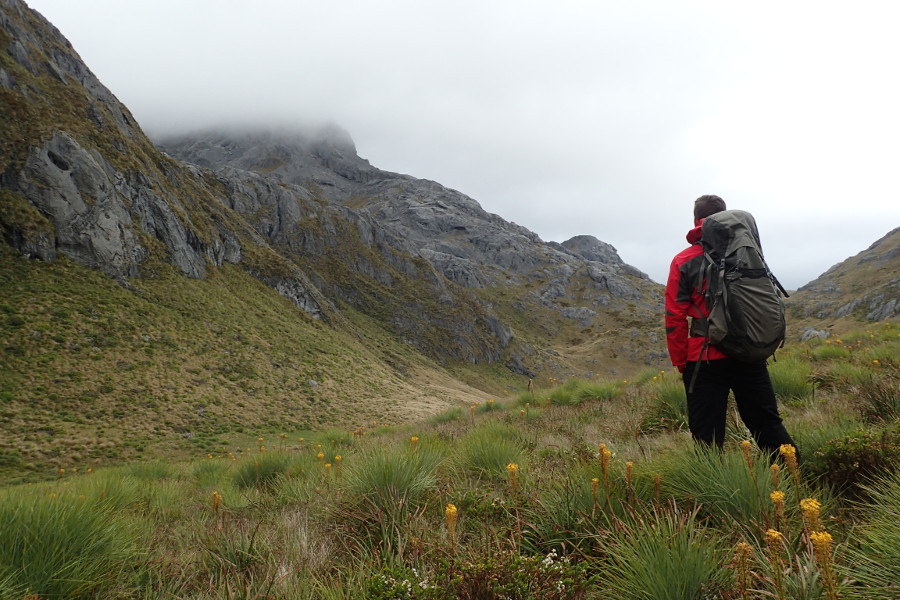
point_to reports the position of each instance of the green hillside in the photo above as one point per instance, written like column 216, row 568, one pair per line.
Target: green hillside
column 586, row 490
column 93, row 370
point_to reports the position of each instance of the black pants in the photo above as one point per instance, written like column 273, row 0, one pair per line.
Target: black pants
column 753, row 394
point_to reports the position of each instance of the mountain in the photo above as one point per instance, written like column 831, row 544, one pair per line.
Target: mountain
column 863, row 287
column 242, row 280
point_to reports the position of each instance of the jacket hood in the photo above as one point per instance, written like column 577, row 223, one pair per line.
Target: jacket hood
column 693, row 236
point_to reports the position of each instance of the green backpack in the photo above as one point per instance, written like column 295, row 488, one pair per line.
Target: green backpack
column 746, row 319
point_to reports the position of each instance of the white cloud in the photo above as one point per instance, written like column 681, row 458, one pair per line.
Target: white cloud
column 567, row 117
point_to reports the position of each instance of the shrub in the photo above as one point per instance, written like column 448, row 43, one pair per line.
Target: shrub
column 516, row 577
column 849, row 462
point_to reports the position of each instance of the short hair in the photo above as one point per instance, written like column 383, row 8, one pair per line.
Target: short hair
column 707, row 205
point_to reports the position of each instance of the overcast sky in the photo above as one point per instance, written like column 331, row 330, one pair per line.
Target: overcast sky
column 566, row 116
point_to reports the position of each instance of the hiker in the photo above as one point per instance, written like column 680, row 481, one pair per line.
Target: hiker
column 708, row 372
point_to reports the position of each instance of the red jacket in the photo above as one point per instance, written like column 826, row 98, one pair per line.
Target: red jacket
column 684, row 298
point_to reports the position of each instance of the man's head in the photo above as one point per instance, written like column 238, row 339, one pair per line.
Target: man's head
column 707, row 205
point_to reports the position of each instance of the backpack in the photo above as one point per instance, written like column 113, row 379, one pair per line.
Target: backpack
column 746, row 312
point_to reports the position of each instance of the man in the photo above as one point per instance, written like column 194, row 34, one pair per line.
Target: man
column 710, row 370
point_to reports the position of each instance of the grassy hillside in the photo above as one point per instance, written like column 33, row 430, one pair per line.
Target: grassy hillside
column 91, row 370
column 591, row 489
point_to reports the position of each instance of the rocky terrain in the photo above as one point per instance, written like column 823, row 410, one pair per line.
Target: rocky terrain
column 864, row 287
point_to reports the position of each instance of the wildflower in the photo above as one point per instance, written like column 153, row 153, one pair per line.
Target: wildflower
column 413, row 441
column 320, row 455
column 208, row 456
column 775, row 546
column 748, row 457
column 90, row 470
column 775, row 470
column 778, row 500
column 595, row 485
column 821, row 541
column 216, row 502
column 811, row 508
column 742, row 552
column 789, row 453
column 337, row 459
column 605, row 456
column 876, row 362
column 513, row 470
column 451, row 513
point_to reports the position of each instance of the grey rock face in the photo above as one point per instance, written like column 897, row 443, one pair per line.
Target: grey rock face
column 74, row 189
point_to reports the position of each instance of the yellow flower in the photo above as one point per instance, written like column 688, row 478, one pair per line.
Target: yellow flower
column 777, row 497
column 413, row 441
column 451, row 512
column 513, row 470
column 773, row 536
column 320, row 455
column 810, row 504
column 787, row 450
column 337, row 459
column 216, row 501
column 820, row 539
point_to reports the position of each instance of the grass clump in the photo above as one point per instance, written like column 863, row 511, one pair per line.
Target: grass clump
column 261, row 471
column 665, row 554
column 486, row 451
column 65, row 546
column 791, row 379
column 667, row 407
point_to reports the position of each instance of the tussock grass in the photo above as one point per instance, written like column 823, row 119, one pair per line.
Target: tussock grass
column 272, row 520
column 66, row 546
column 665, row 554
column 791, row 379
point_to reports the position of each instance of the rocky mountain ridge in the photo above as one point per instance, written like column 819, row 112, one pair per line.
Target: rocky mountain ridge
column 302, row 213
column 865, row 286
